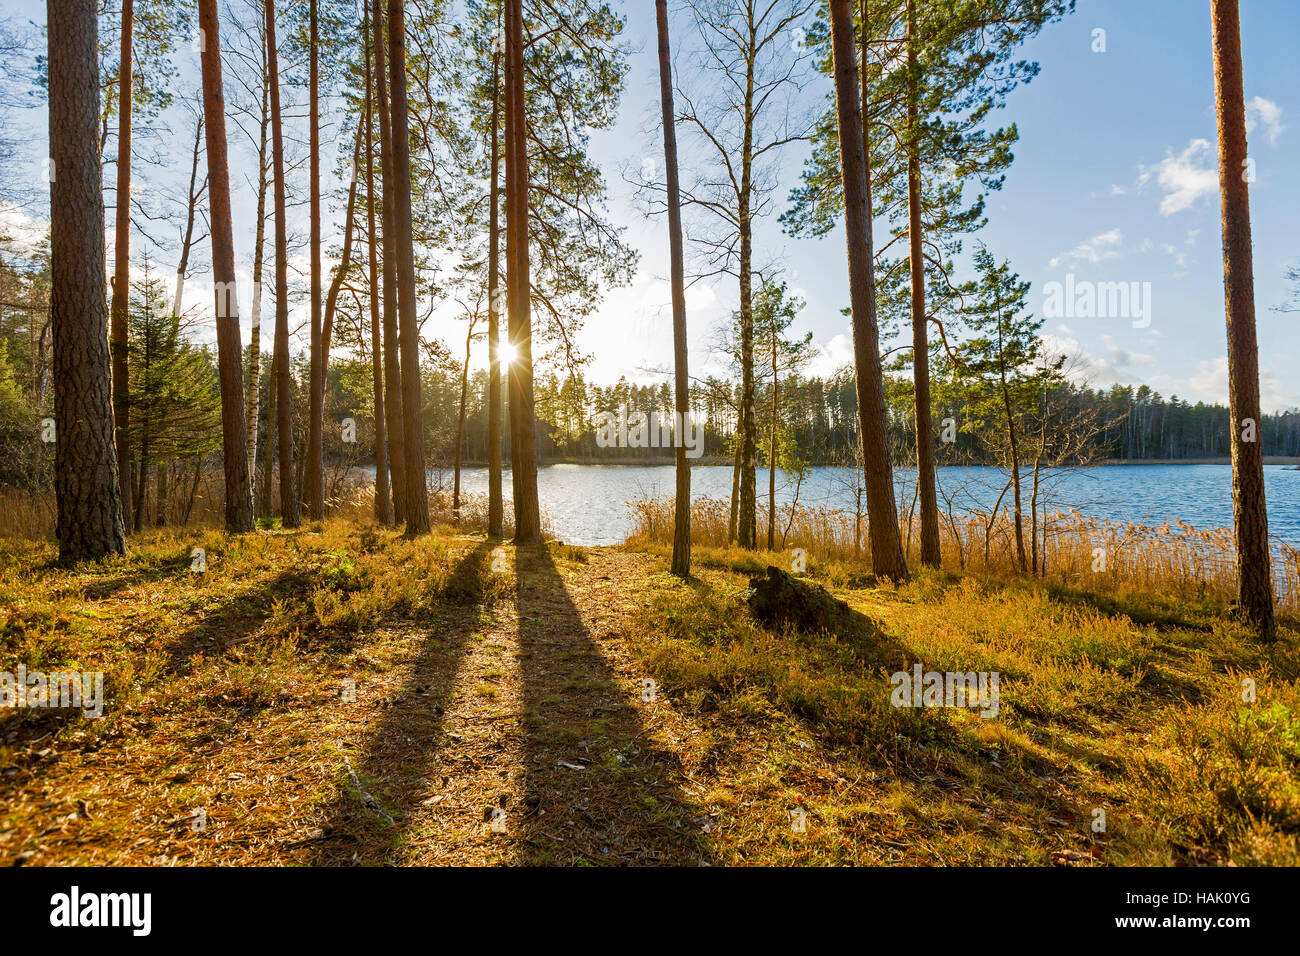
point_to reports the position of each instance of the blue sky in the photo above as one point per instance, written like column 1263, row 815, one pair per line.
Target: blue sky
column 1110, row 184
column 1115, row 180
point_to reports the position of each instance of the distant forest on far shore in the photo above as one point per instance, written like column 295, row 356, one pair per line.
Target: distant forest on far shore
column 817, row 417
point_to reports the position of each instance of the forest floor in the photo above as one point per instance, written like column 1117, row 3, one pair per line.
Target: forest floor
column 341, row 695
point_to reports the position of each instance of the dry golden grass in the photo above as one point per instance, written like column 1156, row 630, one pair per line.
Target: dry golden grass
column 483, row 677
column 1176, row 560
column 28, row 516
column 1163, row 714
column 516, row 679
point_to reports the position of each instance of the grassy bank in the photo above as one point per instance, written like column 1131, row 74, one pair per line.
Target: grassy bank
column 343, row 695
column 1117, row 702
column 1074, row 550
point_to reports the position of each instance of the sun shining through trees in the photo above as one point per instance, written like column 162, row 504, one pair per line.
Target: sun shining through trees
column 929, row 542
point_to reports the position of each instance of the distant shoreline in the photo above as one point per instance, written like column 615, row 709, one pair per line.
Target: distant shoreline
column 1268, row 460
column 716, row 461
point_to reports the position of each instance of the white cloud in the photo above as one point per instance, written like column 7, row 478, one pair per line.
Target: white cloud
column 1210, row 380
column 1260, row 110
column 1099, row 247
column 1180, row 254
column 633, row 330
column 700, row 298
column 21, row 232
column 1116, row 366
column 1209, row 383
column 1120, row 358
column 831, row 356
column 1184, row 178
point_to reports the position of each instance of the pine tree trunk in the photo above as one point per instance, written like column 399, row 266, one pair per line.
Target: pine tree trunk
column 1033, row 516
column 681, row 563
column 496, row 505
column 345, row 260
column 160, row 494
column 313, row 489
column 289, row 514
column 771, row 456
column 733, row 521
column 265, row 495
column 1021, row 559
column 523, row 458
column 194, row 489
column 925, row 477
column 416, row 489
column 392, row 360
column 460, row 424
column 886, row 545
column 230, row 359
column 85, row 466
column 117, row 332
column 1249, row 516
column 747, row 532
column 183, row 265
column 141, row 484
column 1012, row 441
column 255, row 321
column 383, row 496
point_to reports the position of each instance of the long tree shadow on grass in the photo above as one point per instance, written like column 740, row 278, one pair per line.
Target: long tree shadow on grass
column 401, row 746
column 936, row 760
column 596, row 788
column 229, row 623
column 236, row 618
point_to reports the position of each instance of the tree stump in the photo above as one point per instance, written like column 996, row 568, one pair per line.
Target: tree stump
column 780, row 598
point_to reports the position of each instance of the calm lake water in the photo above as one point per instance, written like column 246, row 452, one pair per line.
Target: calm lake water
column 587, row 504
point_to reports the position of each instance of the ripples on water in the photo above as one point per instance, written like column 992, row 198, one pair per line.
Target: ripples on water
column 587, row 504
